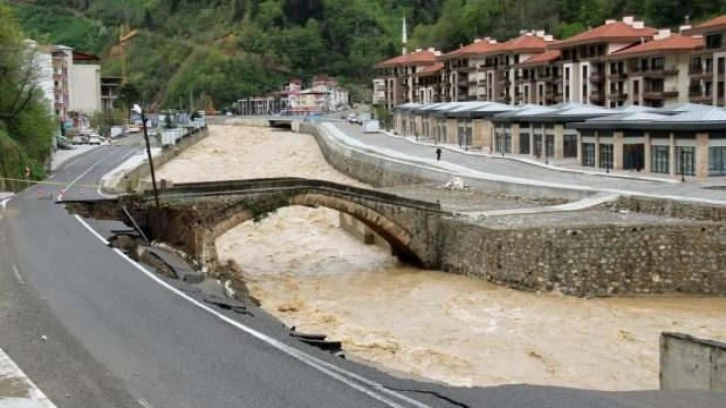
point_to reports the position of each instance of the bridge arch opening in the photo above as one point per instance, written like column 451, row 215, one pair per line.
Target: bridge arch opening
column 396, row 237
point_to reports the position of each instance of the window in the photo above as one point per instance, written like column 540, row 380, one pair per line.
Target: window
column 588, row 154
column 524, row 143
column 550, row 145
column 717, row 161
column 659, row 158
column 685, row 160
column 713, row 41
column 606, row 156
column 570, row 146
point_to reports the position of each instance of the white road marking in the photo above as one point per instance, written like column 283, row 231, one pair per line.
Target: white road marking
column 4, row 203
column 100, row 185
column 346, row 377
column 144, row 403
column 88, row 170
column 35, row 398
column 93, row 231
column 17, row 275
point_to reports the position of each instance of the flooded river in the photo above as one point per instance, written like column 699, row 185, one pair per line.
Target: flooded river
column 449, row 328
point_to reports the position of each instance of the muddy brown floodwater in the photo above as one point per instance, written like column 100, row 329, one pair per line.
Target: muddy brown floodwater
column 444, row 327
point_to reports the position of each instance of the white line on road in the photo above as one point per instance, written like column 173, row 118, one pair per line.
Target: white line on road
column 17, row 275
column 144, row 403
column 4, row 203
column 33, row 397
column 93, row 231
column 376, row 390
column 88, row 170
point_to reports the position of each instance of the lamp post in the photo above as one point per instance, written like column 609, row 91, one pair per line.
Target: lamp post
column 140, row 111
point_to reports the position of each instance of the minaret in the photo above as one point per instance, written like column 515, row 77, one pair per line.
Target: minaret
column 404, row 36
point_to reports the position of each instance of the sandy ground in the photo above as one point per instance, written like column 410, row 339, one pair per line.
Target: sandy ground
column 445, row 327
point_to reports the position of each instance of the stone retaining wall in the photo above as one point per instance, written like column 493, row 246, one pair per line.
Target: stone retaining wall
column 600, row 260
column 670, row 208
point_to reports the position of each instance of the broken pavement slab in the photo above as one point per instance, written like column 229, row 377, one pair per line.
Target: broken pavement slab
column 16, row 389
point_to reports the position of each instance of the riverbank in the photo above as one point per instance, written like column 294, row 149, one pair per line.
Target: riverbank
column 308, row 272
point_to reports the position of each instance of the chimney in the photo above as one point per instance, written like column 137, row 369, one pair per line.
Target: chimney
column 548, row 38
column 662, row 33
column 611, row 21
column 540, row 33
column 639, row 25
column 684, row 28
column 476, row 40
column 432, row 49
column 437, row 53
column 522, row 32
column 628, row 20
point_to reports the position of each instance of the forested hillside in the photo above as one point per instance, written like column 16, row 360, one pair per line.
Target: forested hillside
column 224, row 49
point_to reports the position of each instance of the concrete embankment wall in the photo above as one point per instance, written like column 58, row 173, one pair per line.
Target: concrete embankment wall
column 383, row 171
column 598, row 260
column 690, row 363
column 133, row 180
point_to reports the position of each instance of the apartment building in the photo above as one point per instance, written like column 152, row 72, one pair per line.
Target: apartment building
column 400, row 75
column 62, row 61
column 584, row 69
column 428, row 83
column 462, row 77
column 542, row 72
column 654, row 73
column 85, row 83
column 708, row 66
column 520, row 85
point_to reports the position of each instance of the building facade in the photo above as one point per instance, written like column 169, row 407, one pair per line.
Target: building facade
column 618, row 63
column 85, row 83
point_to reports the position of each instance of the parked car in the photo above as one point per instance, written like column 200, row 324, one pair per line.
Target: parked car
column 352, row 118
column 62, row 143
column 94, row 140
column 80, row 139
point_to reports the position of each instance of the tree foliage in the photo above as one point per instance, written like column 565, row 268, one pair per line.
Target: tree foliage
column 229, row 49
column 26, row 127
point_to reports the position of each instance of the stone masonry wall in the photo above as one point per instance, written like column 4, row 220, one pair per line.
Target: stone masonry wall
column 593, row 261
column 670, row 208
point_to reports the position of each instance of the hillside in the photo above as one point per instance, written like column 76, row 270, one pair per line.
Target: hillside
column 226, row 49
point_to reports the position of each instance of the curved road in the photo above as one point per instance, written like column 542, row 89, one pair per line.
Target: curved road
column 92, row 329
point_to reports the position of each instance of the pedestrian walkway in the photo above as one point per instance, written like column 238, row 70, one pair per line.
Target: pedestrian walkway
column 16, row 389
column 497, row 168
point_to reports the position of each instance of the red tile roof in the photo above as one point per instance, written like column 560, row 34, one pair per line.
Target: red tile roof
column 613, row 32
column 542, row 58
column 431, row 69
column 415, row 58
column 476, row 48
column 710, row 25
column 525, row 43
column 674, row 43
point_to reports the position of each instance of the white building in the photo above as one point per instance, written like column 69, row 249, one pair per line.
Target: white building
column 41, row 63
column 379, row 91
column 85, row 83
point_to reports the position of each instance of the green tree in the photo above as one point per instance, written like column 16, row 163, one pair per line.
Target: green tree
column 26, row 126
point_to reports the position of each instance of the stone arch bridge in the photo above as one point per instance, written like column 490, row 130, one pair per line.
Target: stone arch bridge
column 193, row 215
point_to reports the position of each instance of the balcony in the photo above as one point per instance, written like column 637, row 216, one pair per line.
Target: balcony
column 596, row 98
column 699, row 72
column 700, row 98
column 595, row 78
column 463, row 83
column 617, row 76
column 618, row 96
column 661, row 72
column 472, row 82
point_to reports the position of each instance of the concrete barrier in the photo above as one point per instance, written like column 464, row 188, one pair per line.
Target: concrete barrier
column 690, row 363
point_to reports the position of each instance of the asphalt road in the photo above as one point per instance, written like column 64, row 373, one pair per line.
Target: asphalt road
column 116, row 336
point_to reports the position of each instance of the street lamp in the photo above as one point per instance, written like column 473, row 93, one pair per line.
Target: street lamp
column 140, row 111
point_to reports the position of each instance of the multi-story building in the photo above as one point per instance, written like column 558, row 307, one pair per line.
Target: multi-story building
column 110, row 87
column 379, row 91
column 584, row 75
column 522, row 86
column 708, row 66
column 654, row 73
column 543, row 73
column 428, row 83
column 85, row 83
column 62, row 60
column 41, row 64
column 461, row 78
column 399, row 74
column 336, row 97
